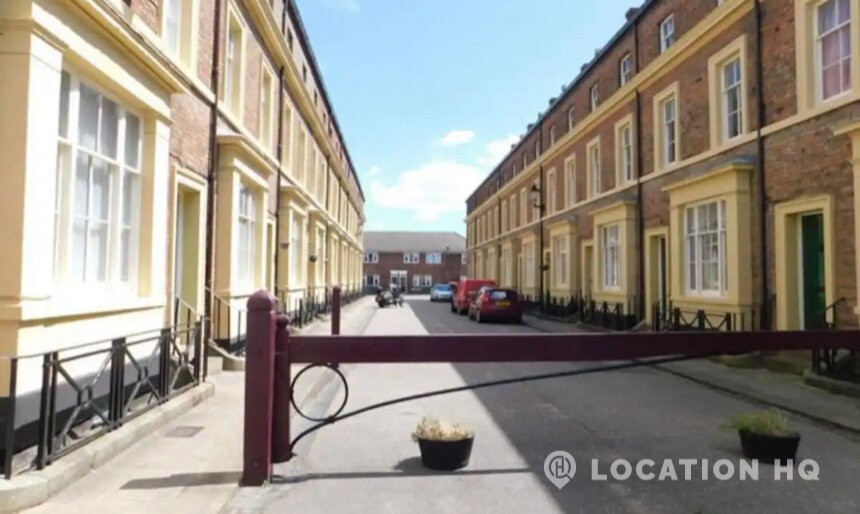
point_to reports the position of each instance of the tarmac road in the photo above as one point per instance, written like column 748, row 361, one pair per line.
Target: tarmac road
column 369, row 464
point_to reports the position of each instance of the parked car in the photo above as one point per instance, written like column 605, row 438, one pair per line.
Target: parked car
column 465, row 290
column 441, row 293
column 493, row 304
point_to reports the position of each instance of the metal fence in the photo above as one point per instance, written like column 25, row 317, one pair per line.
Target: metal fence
column 666, row 317
column 91, row 389
column 580, row 308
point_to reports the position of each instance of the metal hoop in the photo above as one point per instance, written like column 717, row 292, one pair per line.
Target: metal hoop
column 345, row 389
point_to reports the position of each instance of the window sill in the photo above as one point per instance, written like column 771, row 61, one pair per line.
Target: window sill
column 78, row 305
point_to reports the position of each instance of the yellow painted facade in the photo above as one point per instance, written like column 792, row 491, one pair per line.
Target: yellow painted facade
column 102, row 51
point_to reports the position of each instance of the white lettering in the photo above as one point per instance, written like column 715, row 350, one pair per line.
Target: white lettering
column 808, row 470
column 749, row 470
column 779, row 469
column 704, row 469
column 628, row 470
column 729, row 469
column 688, row 467
column 595, row 473
column 640, row 472
column 668, row 469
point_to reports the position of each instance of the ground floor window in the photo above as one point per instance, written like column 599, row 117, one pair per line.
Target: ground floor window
column 705, row 248
column 559, row 249
column 611, row 252
column 422, row 280
column 98, row 188
column 246, row 244
column 529, row 251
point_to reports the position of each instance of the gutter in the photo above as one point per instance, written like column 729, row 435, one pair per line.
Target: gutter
column 760, row 113
column 211, row 179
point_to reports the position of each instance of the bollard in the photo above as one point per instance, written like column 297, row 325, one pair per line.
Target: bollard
column 335, row 312
column 281, row 451
column 259, row 387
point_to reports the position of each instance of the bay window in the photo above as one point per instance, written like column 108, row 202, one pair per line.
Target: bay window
column 246, row 247
column 705, row 248
column 97, row 203
column 610, row 251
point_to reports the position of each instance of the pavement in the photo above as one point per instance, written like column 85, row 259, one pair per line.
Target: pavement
column 786, row 391
column 192, row 464
column 368, row 463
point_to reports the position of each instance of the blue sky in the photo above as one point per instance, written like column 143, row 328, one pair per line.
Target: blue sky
column 430, row 94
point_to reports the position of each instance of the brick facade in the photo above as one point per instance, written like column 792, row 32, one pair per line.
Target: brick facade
column 796, row 150
column 451, row 269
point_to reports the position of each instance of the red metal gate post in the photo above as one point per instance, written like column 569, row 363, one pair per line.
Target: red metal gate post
column 259, row 387
column 336, row 296
column 283, row 393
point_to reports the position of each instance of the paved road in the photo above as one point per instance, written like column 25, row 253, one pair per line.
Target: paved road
column 368, row 464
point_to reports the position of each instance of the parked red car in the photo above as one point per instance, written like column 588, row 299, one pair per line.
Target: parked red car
column 465, row 290
column 491, row 303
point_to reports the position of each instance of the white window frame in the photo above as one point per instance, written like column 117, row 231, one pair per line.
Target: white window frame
column 625, row 69
column 669, row 130
column 524, row 209
column 433, row 257
column 610, row 240
column 694, row 261
column 537, row 149
column 551, row 191
column 552, row 136
column 559, row 259
column 570, row 180
column 267, row 108
column 667, row 33
column 411, row 258
column 595, row 177
column 594, row 97
column 570, row 119
column 233, row 84
column 726, row 90
column 123, row 164
column 246, row 237
column 819, row 49
column 464, row 259
column 530, row 260
column 371, row 257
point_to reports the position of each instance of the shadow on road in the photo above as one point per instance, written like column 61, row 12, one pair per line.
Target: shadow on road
column 185, row 480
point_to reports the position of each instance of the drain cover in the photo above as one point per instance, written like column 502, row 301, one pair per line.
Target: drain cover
column 183, row 431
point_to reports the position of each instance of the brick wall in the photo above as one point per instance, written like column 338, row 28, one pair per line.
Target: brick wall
column 450, row 269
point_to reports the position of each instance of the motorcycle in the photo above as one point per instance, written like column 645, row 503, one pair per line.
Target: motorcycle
column 386, row 298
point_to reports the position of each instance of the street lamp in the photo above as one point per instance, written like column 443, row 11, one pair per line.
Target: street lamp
column 538, row 203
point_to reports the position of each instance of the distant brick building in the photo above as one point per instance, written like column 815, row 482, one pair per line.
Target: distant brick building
column 413, row 260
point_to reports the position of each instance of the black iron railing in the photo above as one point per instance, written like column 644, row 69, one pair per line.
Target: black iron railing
column 228, row 324
column 313, row 303
column 666, row 317
column 91, row 389
column 833, row 362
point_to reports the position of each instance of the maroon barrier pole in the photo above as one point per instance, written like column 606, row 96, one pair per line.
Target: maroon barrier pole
column 283, row 393
column 335, row 310
column 259, row 387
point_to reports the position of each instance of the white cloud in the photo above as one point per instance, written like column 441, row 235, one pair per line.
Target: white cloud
column 436, row 188
column 457, row 137
column 375, row 225
column 497, row 150
column 375, row 170
column 347, row 5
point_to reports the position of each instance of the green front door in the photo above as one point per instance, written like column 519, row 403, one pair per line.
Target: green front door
column 812, row 272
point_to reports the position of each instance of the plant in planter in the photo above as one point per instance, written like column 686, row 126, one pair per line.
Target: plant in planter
column 444, row 446
column 765, row 436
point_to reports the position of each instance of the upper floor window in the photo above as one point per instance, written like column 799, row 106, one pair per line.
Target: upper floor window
column 570, row 119
column 267, row 111
column 464, row 259
column 304, row 73
column 594, row 172
column 434, row 258
column 246, row 248
column 550, row 188
column 290, row 39
column 666, row 139
column 595, row 97
column 233, row 66
column 524, row 216
column 98, row 200
column 732, row 99
column 371, row 257
column 834, row 47
column 625, row 69
column 625, row 152
column 513, row 212
column 570, row 180
column 552, row 135
column 669, row 115
column 171, row 13
column 411, row 258
column 667, row 33
column 525, row 160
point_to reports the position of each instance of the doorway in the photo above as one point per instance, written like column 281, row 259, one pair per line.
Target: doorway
column 662, row 273
column 810, row 260
column 400, row 279
column 187, row 242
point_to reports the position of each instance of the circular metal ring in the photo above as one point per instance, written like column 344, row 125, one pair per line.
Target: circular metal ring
column 345, row 393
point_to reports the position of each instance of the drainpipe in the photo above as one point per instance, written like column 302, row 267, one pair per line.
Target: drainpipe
column 541, row 210
column 760, row 115
column 641, row 308
column 280, row 155
column 211, row 179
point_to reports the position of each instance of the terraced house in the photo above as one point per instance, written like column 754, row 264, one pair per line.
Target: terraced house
column 162, row 160
column 706, row 159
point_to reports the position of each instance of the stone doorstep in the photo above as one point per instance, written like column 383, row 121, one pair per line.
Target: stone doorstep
column 33, row 488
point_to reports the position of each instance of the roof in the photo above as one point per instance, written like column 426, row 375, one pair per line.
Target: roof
column 391, row 242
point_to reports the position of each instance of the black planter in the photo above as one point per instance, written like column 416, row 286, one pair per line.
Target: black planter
column 769, row 448
column 445, row 455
